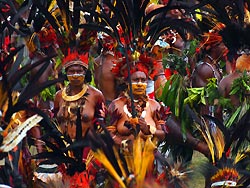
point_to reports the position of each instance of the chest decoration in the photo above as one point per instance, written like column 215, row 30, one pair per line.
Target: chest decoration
column 141, row 105
column 71, row 104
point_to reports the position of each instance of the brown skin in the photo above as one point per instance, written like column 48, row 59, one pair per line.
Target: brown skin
column 225, row 87
column 93, row 104
column 175, row 136
column 49, row 72
column 122, row 131
column 203, row 72
column 160, row 79
column 207, row 70
column 104, row 78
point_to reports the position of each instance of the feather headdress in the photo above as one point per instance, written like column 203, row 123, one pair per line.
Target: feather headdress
column 234, row 16
column 224, row 145
column 63, row 18
column 11, row 71
column 135, row 30
column 142, row 63
column 74, row 58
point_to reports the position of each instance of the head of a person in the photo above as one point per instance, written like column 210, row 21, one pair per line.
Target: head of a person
column 76, row 68
column 107, row 42
column 213, row 45
column 243, row 63
column 225, row 177
column 139, row 83
column 140, row 70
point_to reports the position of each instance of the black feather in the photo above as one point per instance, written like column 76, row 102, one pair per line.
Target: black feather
column 79, row 150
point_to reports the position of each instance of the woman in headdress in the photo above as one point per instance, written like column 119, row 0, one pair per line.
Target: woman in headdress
column 145, row 108
column 77, row 107
column 78, row 94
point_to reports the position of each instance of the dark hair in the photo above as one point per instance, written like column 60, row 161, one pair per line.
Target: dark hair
column 88, row 76
column 39, row 21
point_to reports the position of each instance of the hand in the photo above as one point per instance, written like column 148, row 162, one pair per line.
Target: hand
column 160, row 122
column 131, row 124
column 144, row 127
column 103, row 111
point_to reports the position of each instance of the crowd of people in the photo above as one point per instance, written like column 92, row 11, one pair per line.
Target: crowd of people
column 122, row 92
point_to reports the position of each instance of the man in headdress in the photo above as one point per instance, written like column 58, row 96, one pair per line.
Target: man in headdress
column 225, row 85
column 213, row 51
column 104, row 79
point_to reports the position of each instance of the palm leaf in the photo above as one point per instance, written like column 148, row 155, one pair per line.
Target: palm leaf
column 15, row 136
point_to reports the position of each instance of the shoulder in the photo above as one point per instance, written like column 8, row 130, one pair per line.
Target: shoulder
column 154, row 104
column 97, row 59
column 205, row 70
column 96, row 93
column 203, row 66
column 94, row 90
column 58, row 98
column 117, row 103
column 58, row 94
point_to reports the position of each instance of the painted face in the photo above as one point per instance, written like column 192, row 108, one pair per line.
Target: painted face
column 76, row 74
column 139, row 83
column 157, row 52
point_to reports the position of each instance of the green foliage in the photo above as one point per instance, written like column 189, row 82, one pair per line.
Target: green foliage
column 203, row 95
column 225, row 103
column 179, row 62
column 195, row 96
column 19, row 2
column 48, row 93
column 176, row 63
column 173, row 95
column 192, row 47
column 212, row 91
column 173, row 92
column 241, row 86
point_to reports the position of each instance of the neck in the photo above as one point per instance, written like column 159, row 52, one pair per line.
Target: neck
column 137, row 97
column 74, row 89
column 210, row 58
column 108, row 52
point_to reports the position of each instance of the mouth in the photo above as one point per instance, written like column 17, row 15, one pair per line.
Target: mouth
column 139, row 90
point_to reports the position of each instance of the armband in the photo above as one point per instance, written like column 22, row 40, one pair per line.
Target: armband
column 152, row 129
column 124, row 144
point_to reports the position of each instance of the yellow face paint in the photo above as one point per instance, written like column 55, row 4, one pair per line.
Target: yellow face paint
column 76, row 78
column 139, row 88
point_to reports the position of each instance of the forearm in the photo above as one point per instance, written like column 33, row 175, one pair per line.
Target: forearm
column 175, row 136
column 160, row 134
column 36, row 134
column 123, row 130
